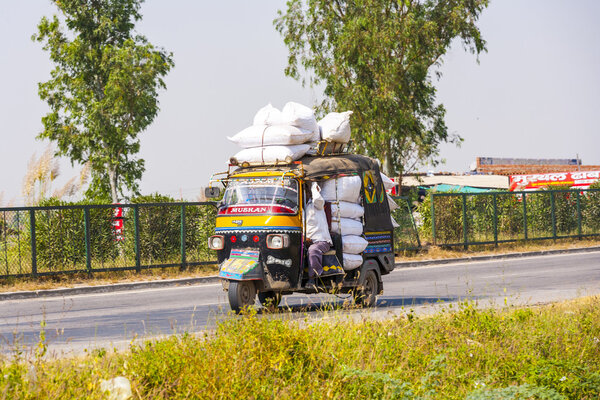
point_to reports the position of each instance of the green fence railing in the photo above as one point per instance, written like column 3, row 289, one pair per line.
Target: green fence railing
column 38, row 241
column 465, row 219
column 51, row 240
column 406, row 235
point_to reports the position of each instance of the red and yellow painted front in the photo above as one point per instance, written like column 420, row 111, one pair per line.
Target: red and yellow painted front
column 245, row 229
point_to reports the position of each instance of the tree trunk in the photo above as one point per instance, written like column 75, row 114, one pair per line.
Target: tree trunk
column 112, row 177
column 388, row 168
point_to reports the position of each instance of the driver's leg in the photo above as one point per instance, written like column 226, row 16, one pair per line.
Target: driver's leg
column 315, row 260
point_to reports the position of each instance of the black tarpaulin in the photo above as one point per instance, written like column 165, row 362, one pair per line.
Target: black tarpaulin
column 321, row 167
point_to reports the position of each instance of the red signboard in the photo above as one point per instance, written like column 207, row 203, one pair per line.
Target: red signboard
column 250, row 209
column 118, row 223
column 580, row 179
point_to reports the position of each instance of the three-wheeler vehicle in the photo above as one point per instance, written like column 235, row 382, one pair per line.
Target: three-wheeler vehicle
column 260, row 231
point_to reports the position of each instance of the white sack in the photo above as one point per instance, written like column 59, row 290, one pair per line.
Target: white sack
column 269, row 135
column 352, row 261
column 296, row 114
column 335, row 127
column 394, row 223
column 387, row 182
column 348, row 189
column 348, row 227
column 352, row 244
column 268, row 115
column 271, row 154
column 316, row 220
column 347, row 210
column 393, row 205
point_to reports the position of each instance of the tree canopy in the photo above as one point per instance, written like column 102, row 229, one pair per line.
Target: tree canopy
column 103, row 89
column 378, row 59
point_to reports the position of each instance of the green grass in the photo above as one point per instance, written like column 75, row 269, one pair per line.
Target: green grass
column 548, row 352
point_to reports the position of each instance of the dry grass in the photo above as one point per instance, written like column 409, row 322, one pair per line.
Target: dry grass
column 102, row 278
column 438, row 253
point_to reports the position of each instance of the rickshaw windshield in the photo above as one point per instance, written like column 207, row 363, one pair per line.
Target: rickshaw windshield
column 261, row 195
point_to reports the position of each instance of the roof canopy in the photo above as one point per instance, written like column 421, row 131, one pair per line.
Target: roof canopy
column 319, row 167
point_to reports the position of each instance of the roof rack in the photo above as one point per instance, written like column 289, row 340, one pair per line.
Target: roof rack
column 325, row 148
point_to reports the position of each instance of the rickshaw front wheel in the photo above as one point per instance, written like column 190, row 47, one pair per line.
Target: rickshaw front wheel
column 269, row 299
column 241, row 294
column 367, row 296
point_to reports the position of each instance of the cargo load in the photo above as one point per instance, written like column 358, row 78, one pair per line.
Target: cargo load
column 353, row 244
column 271, row 135
column 346, row 188
column 335, row 127
column 352, row 261
column 270, row 154
column 345, row 209
column 347, row 226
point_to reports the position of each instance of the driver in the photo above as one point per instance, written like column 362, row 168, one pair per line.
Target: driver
column 317, row 233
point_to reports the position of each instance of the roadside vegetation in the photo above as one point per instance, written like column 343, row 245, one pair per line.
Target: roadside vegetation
column 545, row 352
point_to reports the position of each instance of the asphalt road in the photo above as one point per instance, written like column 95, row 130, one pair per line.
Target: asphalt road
column 115, row 319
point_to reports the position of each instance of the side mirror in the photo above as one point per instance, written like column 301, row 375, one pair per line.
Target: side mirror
column 212, row 192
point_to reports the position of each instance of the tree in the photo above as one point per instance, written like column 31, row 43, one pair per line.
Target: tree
column 376, row 58
column 103, row 90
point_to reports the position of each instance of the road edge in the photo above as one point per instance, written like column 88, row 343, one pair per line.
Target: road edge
column 411, row 264
column 117, row 287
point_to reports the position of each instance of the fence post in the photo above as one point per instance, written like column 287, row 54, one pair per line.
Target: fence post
column 553, row 213
column 525, row 214
column 464, row 213
column 5, row 242
column 136, row 223
column 412, row 220
column 88, row 252
column 495, row 220
column 183, row 258
column 579, row 230
column 433, row 216
column 33, row 244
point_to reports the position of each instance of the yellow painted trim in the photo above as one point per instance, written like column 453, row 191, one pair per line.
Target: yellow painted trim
column 226, row 221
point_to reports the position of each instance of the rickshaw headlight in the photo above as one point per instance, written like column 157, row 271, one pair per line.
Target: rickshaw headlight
column 278, row 241
column 216, row 242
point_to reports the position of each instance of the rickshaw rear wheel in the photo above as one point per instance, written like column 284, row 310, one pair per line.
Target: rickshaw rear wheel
column 241, row 294
column 367, row 296
column 269, row 299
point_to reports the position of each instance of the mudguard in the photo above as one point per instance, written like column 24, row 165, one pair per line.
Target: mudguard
column 371, row 264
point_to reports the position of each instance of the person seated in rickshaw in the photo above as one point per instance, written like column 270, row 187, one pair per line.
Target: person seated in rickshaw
column 317, row 234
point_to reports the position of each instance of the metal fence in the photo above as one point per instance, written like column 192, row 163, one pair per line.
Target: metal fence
column 52, row 240
column 464, row 219
column 38, row 241
column 406, row 235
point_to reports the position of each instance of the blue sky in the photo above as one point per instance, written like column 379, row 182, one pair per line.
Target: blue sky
column 536, row 93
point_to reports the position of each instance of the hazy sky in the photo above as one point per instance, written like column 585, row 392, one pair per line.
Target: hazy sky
column 535, row 94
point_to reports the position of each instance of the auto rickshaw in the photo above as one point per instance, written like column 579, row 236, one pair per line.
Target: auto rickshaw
column 259, row 235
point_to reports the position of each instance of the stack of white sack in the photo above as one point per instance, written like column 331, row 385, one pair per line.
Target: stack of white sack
column 347, row 214
column 277, row 136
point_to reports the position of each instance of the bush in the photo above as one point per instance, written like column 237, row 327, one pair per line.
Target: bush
column 590, row 210
column 448, row 219
column 160, row 230
column 510, row 224
column 60, row 236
